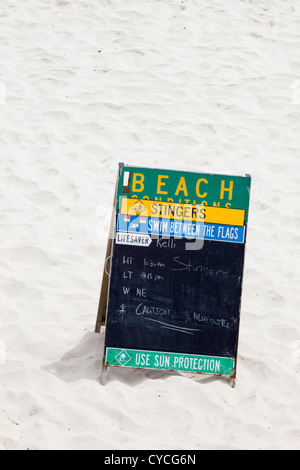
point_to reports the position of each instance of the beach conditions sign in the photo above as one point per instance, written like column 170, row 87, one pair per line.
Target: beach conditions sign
column 171, row 296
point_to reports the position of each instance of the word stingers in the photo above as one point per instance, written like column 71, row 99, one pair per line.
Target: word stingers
column 178, row 211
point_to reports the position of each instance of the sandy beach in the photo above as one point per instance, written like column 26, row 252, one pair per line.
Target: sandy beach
column 188, row 84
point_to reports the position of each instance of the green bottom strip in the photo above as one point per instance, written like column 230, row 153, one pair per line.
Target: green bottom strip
column 169, row 361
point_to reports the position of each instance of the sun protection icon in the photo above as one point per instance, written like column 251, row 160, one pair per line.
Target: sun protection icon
column 123, row 357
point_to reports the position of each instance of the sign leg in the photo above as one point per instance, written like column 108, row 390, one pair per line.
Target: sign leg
column 104, row 373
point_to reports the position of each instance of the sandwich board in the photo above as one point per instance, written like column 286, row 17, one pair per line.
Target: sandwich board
column 172, row 284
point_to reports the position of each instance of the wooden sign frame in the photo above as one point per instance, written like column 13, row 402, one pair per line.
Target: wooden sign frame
column 103, row 300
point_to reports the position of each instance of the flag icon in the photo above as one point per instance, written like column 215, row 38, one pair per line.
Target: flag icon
column 126, row 218
column 143, row 220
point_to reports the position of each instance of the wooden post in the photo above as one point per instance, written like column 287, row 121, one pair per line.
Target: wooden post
column 101, row 315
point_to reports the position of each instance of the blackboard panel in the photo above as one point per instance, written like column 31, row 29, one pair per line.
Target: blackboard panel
column 168, row 298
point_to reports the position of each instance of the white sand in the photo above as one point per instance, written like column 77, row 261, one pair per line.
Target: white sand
column 85, row 84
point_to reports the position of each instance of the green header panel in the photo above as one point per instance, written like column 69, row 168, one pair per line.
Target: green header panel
column 185, row 187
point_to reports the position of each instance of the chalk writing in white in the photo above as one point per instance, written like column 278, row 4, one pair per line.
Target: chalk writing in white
column 122, row 309
column 127, row 274
column 140, row 292
column 150, row 276
column 188, row 266
column 153, row 264
column 150, row 310
column 165, row 243
column 221, row 322
column 180, row 329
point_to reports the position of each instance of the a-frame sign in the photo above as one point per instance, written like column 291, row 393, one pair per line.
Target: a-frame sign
column 172, row 282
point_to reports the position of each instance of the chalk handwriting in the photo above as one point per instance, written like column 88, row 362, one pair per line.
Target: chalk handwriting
column 180, row 329
column 221, row 322
column 188, row 266
column 140, row 292
column 153, row 264
column 146, row 276
column 165, row 243
column 150, row 310
column 151, row 277
column 127, row 274
column 122, row 309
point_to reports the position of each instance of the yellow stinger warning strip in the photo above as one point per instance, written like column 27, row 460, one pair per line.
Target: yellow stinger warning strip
column 189, row 212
